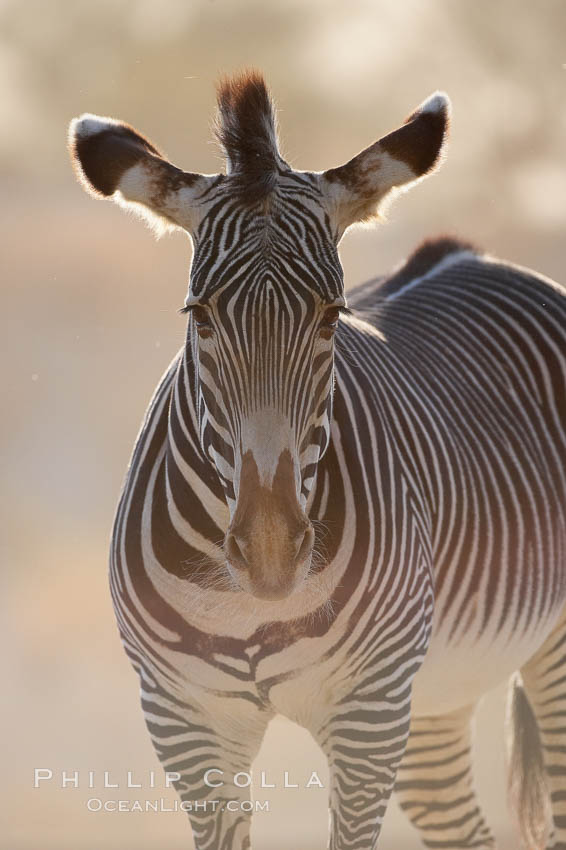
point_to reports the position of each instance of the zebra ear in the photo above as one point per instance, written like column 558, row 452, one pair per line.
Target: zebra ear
column 358, row 190
column 112, row 160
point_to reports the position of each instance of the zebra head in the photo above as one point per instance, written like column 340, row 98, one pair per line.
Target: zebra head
column 265, row 297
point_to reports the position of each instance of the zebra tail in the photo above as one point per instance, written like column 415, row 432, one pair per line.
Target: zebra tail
column 527, row 786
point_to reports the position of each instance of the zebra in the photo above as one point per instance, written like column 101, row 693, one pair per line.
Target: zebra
column 350, row 514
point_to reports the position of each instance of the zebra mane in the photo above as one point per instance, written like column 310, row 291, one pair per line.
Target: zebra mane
column 246, row 130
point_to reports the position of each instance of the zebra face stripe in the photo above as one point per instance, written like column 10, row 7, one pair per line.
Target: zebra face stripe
column 265, row 381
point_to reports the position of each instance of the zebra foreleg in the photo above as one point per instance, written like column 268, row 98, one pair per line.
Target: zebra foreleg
column 544, row 679
column 435, row 784
column 202, row 751
column 363, row 743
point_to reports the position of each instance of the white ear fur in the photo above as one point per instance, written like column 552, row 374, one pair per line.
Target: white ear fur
column 437, row 102
column 360, row 189
column 111, row 159
column 88, row 125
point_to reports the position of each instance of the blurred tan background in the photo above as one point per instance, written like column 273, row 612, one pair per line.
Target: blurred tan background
column 90, row 323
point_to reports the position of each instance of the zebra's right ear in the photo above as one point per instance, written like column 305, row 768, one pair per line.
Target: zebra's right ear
column 112, row 160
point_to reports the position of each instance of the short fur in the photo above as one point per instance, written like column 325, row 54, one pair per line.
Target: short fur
column 246, row 131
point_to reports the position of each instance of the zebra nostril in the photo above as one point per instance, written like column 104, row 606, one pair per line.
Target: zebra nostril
column 234, row 552
column 304, row 544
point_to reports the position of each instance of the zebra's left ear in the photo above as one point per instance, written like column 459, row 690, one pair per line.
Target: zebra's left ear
column 358, row 190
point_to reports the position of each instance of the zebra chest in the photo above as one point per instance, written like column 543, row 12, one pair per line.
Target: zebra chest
column 289, row 657
column 276, row 665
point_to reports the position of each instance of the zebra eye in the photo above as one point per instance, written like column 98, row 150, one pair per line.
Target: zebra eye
column 330, row 322
column 202, row 321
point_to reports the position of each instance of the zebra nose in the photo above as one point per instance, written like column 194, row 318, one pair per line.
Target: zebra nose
column 242, row 553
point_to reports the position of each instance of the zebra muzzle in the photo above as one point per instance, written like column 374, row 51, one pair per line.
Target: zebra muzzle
column 268, row 565
column 269, row 543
